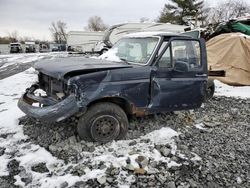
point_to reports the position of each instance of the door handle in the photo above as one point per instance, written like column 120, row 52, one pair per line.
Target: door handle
column 201, row 75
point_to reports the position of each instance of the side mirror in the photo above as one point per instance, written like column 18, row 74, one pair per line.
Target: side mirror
column 181, row 66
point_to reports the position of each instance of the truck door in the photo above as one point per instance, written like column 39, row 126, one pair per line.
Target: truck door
column 180, row 75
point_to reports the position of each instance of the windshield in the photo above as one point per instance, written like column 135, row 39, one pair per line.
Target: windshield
column 132, row 50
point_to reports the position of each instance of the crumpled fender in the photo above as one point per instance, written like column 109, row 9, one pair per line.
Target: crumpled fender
column 53, row 113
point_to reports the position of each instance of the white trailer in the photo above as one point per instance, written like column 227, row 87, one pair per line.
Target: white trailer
column 83, row 41
column 124, row 29
column 115, row 32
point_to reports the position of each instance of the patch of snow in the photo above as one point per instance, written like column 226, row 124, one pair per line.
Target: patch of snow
column 162, row 136
column 112, row 154
column 19, row 181
column 94, row 174
column 3, row 165
column 10, row 90
column 35, row 155
column 200, row 126
column 12, row 59
column 125, row 182
column 146, row 34
column 173, row 163
column 222, row 89
column 110, row 55
column 56, row 181
column 40, row 92
column 30, row 154
column 239, row 180
column 196, row 157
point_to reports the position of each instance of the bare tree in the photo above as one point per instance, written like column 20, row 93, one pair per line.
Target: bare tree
column 62, row 26
column 58, row 31
column 13, row 36
column 227, row 10
column 54, row 31
column 95, row 23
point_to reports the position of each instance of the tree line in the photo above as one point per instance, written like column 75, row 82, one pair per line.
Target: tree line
column 14, row 37
column 183, row 12
column 180, row 12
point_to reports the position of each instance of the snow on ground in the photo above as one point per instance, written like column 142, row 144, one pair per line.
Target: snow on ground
column 29, row 154
column 222, row 89
column 12, row 59
column 200, row 126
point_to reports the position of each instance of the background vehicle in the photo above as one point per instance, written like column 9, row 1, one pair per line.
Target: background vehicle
column 16, row 47
column 30, row 47
column 143, row 73
column 83, row 41
column 115, row 32
column 59, row 48
column 44, row 47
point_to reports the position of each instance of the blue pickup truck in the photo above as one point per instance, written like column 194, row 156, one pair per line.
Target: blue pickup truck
column 143, row 73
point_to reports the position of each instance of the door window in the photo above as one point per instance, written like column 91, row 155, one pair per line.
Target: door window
column 187, row 52
column 182, row 53
column 165, row 60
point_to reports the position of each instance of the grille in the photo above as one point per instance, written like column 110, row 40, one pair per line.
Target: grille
column 51, row 85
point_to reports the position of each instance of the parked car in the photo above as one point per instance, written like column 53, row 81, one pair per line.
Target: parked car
column 44, row 47
column 30, row 47
column 16, row 47
column 143, row 73
column 59, row 48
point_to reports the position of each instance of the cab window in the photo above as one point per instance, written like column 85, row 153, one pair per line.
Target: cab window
column 184, row 53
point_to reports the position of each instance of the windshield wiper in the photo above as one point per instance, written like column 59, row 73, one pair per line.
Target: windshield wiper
column 124, row 60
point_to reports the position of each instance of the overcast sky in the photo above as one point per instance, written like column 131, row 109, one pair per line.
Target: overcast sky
column 32, row 18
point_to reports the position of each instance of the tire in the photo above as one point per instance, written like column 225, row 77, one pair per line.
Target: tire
column 210, row 89
column 103, row 122
column 103, row 51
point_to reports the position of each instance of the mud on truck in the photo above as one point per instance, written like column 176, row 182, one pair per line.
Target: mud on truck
column 143, row 73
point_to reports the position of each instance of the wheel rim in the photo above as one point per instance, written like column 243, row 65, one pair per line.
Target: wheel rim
column 209, row 93
column 105, row 128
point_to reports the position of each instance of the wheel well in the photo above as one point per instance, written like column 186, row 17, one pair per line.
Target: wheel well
column 210, row 83
column 125, row 105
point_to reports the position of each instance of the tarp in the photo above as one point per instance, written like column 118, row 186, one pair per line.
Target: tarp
column 240, row 27
column 230, row 52
column 230, row 27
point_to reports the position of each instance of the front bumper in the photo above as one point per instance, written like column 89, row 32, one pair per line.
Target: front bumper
column 55, row 112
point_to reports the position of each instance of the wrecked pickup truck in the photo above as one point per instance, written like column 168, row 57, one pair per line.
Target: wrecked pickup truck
column 143, row 73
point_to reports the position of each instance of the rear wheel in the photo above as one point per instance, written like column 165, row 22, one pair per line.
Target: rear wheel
column 103, row 122
column 210, row 89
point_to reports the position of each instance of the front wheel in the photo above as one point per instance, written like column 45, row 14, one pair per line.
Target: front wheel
column 103, row 122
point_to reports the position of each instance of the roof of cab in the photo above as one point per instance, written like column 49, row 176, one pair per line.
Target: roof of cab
column 154, row 33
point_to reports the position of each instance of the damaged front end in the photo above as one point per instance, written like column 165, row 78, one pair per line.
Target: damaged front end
column 64, row 83
column 53, row 107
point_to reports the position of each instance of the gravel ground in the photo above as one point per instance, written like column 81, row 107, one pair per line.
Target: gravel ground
column 221, row 139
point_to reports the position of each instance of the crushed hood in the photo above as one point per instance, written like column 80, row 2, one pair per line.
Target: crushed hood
column 59, row 67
